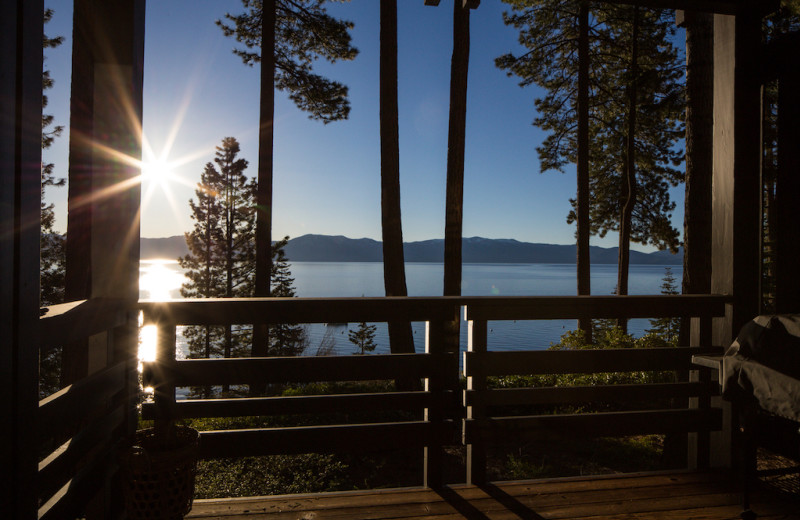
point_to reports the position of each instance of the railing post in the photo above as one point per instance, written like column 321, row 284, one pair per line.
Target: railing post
column 476, row 411
column 699, row 453
column 163, row 387
column 434, row 451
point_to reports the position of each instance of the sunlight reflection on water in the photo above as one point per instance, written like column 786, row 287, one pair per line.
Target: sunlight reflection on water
column 158, row 280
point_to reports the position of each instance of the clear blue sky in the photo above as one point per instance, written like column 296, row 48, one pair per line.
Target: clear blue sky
column 327, row 177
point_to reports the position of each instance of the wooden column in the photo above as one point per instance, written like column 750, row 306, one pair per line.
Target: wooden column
column 105, row 146
column 787, row 279
column 21, row 24
column 736, row 215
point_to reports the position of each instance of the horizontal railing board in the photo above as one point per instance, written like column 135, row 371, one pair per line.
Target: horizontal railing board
column 588, row 361
column 74, row 402
column 71, row 499
column 200, row 372
column 91, row 442
column 67, row 322
column 316, row 439
column 605, row 424
column 623, row 393
column 218, row 311
column 302, row 404
column 573, row 307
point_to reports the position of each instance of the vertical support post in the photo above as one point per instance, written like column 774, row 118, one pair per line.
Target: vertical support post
column 163, row 387
column 704, row 399
column 787, row 283
column 434, row 452
column 476, row 410
column 102, row 247
column 21, row 27
column 747, row 169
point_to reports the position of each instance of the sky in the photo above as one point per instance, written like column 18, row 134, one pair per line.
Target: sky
column 327, row 177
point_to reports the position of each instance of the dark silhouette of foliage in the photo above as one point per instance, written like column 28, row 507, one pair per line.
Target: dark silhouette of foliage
column 667, row 328
column 363, row 338
column 221, row 259
column 219, row 263
column 304, row 33
column 558, row 37
column 52, row 259
column 635, row 111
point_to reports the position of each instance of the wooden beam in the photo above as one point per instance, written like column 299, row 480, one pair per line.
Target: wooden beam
column 569, row 307
column 762, row 7
column 469, row 4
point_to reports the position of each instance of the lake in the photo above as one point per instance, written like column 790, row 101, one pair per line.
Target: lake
column 162, row 279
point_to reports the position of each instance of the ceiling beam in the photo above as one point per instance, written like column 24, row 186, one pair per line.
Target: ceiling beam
column 472, row 4
column 708, row 6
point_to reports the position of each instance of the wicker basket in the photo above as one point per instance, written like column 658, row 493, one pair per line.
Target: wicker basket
column 158, row 475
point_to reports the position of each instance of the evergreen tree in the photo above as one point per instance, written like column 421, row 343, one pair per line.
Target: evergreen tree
column 220, row 259
column 303, row 33
column 559, row 36
column 363, row 338
column 667, row 328
column 635, row 110
column 637, row 132
column 286, row 339
column 286, row 37
column 52, row 260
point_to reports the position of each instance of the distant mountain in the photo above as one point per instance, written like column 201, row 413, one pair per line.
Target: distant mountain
column 476, row 250
column 169, row 248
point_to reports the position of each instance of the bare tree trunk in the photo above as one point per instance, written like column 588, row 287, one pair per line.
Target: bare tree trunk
column 394, row 277
column 260, row 344
column 454, row 205
column 582, row 210
column 699, row 158
column 629, row 185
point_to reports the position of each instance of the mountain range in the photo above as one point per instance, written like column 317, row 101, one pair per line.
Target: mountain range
column 476, row 250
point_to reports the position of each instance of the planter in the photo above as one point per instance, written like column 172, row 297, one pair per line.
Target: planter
column 158, row 474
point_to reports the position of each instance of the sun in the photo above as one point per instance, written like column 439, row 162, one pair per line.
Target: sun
column 157, row 172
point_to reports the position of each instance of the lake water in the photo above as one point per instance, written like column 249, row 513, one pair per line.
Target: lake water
column 162, row 280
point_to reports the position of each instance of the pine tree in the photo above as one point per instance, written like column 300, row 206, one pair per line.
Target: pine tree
column 363, row 338
column 286, row 339
column 286, row 37
column 52, row 260
column 304, row 32
column 635, row 108
column 667, row 328
column 220, row 259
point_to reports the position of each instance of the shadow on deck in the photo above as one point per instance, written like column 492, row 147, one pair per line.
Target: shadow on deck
column 678, row 496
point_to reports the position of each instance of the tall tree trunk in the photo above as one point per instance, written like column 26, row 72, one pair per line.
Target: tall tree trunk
column 229, row 205
column 699, row 158
column 394, row 277
column 454, row 204
column 629, row 184
column 260, row 346
column 582, row 210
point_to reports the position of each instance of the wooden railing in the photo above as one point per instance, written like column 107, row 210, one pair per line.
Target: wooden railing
column 434, row 413
column 81, row 426
column 689, row 410
column 429, row 420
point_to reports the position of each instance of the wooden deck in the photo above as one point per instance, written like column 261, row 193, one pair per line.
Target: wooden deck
column 673, row 496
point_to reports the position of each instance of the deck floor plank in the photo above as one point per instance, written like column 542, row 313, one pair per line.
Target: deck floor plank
column 674, row 496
